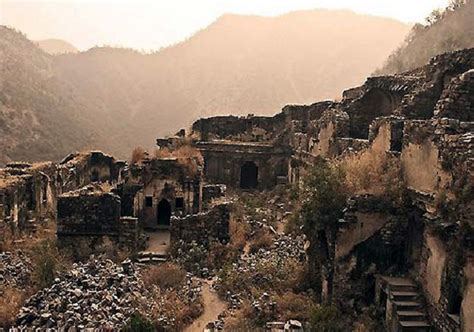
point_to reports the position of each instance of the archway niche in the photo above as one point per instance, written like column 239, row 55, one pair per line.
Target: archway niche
column 163, row 213
column 248, row 175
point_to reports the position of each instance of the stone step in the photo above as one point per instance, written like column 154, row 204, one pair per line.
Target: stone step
column 407, row 305
column 150, row 257
column 404, row 295
column 412, row 326
column 411, row 315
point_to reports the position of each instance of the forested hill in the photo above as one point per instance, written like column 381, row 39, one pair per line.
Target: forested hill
column 445, row 30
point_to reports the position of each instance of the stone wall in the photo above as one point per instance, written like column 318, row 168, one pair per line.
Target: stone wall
column 202, row 228
column 224, row 163
column 89, row 222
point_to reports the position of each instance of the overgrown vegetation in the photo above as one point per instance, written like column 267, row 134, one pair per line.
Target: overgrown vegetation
column 166, row 283
column 11, row 301
column 372, row 172
column 47, row 263
column 167, row 276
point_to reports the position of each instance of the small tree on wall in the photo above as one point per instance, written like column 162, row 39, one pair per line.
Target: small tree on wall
column 324, row 198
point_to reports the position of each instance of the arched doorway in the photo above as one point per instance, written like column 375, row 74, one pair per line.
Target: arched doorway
column 163, row 213
column 248, row 175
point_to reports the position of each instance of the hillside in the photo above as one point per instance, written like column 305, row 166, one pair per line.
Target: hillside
column 37, row 121
column 238, row 65
column 116, row 99
column 56, row 46
column 444, row 31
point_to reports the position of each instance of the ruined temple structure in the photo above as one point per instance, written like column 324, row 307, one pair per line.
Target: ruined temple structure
column 158, row 188
column 410, row 254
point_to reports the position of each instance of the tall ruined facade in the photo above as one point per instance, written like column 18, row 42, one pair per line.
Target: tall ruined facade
column 405, row 245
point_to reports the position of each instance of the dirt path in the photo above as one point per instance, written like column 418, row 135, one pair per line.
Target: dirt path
column 213, row 306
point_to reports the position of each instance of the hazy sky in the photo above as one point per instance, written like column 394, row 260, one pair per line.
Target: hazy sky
column 151, row 24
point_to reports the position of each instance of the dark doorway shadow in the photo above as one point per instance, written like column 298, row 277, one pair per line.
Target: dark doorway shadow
column 164, row 213
column 248, row 175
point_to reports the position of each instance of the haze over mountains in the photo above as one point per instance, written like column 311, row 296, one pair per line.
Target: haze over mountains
column 56, row 46
column 116, row 99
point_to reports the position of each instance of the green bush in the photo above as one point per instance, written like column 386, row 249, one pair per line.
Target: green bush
column 138, row 323
column 327, row 319
column 46, row 263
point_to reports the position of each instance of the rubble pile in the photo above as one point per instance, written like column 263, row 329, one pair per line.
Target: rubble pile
column 96, row 294
column 15, row 269
column 284, row 248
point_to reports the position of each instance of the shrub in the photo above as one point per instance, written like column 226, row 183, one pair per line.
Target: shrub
column 11, row 301
column 47, row 263
column 327, row 319
column 294, row 306
column 139, row 323
column 187, row 155
column 372, row 172
column 138, row 154
column 166, row 276
column 263, row 240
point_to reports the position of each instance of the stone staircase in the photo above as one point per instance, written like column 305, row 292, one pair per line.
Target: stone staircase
column 408, row 308
column 151, row 257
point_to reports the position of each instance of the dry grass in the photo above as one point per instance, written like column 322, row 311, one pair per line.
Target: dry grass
column 11, row 301
column 372, row 172
column 138, row 154
column 166, row 276
column 172, row 306
column 262, row 240
column 187, row 155
column 294, row 306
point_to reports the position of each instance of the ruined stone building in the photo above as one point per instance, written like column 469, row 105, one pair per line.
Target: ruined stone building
column 406, row 244
column 411, row 256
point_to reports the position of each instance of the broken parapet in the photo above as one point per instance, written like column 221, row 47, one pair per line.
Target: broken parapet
column 80, row 169
column 202, row 228
column 89, row 220
column 212, row 191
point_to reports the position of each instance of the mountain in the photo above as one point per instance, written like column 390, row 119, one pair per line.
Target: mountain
column 445, row 31
column 120, row 98
column 56, row 46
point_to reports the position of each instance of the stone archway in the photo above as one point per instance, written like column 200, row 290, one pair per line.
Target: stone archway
column 248, row 175
column 163, row 213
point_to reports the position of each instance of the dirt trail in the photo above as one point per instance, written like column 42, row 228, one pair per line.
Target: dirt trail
column 213, row 306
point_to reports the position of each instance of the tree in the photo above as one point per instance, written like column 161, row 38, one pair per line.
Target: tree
column 324, row 195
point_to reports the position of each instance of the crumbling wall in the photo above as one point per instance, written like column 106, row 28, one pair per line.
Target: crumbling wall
column 243, row 129
column 202, row 228
column 224, row 162
column 89, row 222
column 420, row 158
column 80, row 169
column 457, row 100
column 435, row 256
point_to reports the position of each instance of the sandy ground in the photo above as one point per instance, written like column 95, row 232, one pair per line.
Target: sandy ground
column 213, row 306
column 159, row 241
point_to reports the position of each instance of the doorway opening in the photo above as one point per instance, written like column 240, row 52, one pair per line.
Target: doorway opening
column 164, row 213
column 248, row 175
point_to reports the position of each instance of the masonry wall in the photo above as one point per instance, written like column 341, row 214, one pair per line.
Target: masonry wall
column 203, row 228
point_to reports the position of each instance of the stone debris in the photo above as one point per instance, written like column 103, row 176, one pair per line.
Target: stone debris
column 283, row 248
column 15, row 269
column 96, row 294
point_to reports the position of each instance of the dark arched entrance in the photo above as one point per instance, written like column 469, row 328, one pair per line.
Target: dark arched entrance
column 248, row 175
column 163, row 213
